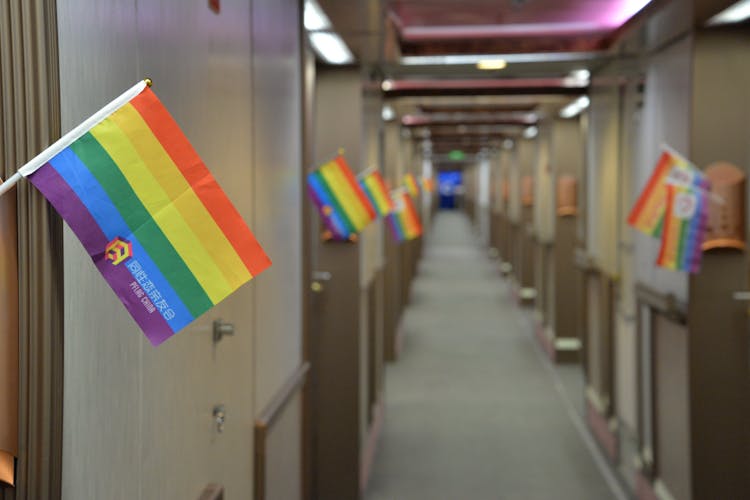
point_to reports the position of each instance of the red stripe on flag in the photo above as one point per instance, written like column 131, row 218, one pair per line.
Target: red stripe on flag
column 668, row 222
column 662, row 168
column 344, row 167
column 200, row 179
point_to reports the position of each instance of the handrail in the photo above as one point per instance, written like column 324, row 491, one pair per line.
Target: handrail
column 664, row 303
column 268, row 418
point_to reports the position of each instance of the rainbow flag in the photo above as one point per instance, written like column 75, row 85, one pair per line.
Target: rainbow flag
column 149, row 213
column 428, row 184
column 404, row 221
column 411, row 185
column 684, row 223
column 343, row 205
column 374, row 187
column 647, row 214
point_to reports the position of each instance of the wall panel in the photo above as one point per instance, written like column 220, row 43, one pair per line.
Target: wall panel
column 666, row 119
column 98, row 60
column 138, row 420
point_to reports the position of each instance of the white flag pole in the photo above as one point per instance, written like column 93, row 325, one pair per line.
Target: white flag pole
column 367, row 172
column 713, row 196
column 63, row 142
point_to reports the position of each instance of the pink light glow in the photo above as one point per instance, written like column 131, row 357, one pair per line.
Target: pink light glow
column 542, row 18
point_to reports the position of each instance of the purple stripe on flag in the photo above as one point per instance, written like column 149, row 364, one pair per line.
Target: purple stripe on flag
column 73, row 211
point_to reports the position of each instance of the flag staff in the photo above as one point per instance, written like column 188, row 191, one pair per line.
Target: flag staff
column 367, row 171
column 63, row 142
column 713, row 196
column 332, row 156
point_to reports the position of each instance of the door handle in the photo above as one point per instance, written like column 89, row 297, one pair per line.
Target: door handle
column 319, row 278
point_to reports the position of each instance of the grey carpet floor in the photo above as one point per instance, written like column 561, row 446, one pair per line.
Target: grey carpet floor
column 471, row 412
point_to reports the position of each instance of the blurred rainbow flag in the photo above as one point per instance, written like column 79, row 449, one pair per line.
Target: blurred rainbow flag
column 149, row 213
column 404, row 221
column 647, row 214
column 374, row 186
column 343, row 205
column 411, row 185
column 684, row 223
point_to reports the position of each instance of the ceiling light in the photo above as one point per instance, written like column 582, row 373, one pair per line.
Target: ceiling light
column 530, row 132
column 388, row 113
column 577, row 78
column 315, row 18
column 386, row 85
column 736, row 13
column 490, row 64
column 575, row 107
column 473, row 59
column 331, row 48
column 581, row 74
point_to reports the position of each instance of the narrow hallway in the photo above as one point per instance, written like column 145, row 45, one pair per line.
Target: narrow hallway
column 471, row 411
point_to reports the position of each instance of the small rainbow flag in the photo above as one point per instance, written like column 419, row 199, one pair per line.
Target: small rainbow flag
column 684, row 224
column 149, row 213
column 647, row 214
column 343, row 206
column 404, row 221
column 428, row 184
column 411, row 185
column 374, row 186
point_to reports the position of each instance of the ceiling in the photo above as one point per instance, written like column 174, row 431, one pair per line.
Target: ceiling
column 408, row 43
column 508, row 26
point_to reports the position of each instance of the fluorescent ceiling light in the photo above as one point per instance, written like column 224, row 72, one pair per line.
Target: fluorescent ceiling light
column 473, row 59
column 530, row 132
column 736, row 13
column 315, row 18
column 387, row 113
column 577, row 78
column 331, row 48
column 575, row 107
column 490, row 64
column 582, row 75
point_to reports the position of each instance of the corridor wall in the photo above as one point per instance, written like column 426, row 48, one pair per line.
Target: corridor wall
column 347, row 333
column 138, row 419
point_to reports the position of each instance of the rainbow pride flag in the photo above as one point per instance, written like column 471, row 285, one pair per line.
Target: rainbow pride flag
column 684, row 223
column 428, row 184
column 374, row 186
column 343, row 205
column 149, row 213
column 411, row 185
column 647, row 214
column 404, row 221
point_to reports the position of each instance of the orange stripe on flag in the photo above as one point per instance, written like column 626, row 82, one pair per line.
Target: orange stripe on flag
column 198, row 176
column 355, row 187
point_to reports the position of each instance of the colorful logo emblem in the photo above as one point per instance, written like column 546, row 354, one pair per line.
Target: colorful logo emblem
column 118, row 251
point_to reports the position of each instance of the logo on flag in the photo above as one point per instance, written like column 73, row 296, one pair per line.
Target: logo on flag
column 118, row 251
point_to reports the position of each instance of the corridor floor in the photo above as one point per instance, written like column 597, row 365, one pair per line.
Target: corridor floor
column 471, row 411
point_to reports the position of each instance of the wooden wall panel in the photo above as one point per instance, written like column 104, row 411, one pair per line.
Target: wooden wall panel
column 206, row 68
column 96, row 64
column 671, row 406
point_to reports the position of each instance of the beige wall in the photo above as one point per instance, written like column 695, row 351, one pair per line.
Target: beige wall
column 137, row 418
column 665, row 119
column 371, row 239
column 544, row 188
column 602, row 169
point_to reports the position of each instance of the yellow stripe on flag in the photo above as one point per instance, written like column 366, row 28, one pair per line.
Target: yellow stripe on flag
column 374, row 189
column 342, row 189
column 179, row 191
column 170, row 221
